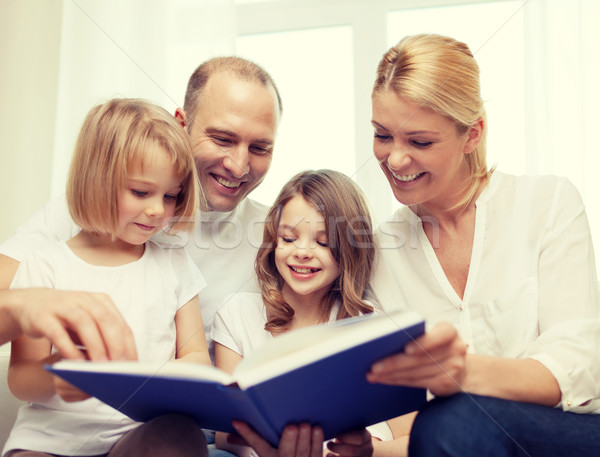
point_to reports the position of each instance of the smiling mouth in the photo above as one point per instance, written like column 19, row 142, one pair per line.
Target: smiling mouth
column 304, row 270
column 406, row 178
column 224, row 182
column 147, row 228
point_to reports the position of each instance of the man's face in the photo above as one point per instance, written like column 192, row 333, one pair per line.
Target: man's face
column 232, row 135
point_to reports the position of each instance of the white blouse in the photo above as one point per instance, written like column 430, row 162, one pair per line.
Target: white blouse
column 532, row 289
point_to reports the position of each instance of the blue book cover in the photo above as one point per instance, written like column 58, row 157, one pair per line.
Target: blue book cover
column 315, row 375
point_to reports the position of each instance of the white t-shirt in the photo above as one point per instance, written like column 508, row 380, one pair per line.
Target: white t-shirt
column 240, row 326
column 532, row 287
column 222, row 245
column 148, row 292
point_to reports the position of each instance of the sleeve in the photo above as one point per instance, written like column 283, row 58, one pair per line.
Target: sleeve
column 190, row 280
column 51, row 223
column 35, row 270
column 569, row 341
column 224, row 329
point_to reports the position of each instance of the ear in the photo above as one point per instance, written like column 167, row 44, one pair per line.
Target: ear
column 181, row 117
column 474, row 136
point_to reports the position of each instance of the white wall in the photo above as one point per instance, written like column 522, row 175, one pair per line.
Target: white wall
column 59, row 58
column 29, row 61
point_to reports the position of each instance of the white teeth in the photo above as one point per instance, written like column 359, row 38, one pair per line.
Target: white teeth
column 405, row 178
column 302, row 270
column 226, row 183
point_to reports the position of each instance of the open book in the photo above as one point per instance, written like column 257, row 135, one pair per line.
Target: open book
column 315, row 375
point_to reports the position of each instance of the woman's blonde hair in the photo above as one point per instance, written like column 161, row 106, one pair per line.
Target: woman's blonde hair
column 350, row 239
column 441, row 74
column 113, row 138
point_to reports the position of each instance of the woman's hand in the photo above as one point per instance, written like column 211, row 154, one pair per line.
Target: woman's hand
column 435, row 361
column 296, row 441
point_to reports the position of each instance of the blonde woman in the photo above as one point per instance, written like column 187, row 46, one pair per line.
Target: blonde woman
column 503, row 264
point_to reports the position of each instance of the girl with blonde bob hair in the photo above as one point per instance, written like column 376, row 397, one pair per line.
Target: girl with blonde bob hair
column 313, row 267
column 132, row 174
column 502, row 268
column 113, row 139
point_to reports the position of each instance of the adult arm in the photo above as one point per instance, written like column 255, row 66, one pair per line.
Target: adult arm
column 438, row 361
column 562, row 363
column 67, row 318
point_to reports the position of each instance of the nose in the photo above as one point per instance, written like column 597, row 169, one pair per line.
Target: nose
column 399, row 158
column 156, row 207
column 302, row 251
column 237, row 160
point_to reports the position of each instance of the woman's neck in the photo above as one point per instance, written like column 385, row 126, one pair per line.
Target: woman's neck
column 103, row 250
column 450, row 212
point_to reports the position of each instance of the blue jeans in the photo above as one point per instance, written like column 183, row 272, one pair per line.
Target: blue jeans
column 471, row 425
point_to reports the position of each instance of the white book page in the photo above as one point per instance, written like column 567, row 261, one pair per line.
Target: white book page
column 306, row 345
column 172, row 369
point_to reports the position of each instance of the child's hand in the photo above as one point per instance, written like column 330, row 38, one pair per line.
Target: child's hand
column 296, row 441
column 352, row 444
column 68, row 392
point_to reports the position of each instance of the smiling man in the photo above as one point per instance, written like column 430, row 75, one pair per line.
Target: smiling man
column 231, row 112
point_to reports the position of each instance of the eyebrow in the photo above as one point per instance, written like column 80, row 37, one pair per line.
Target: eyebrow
column 293, row 227
column 232, row 134
column 412, row 132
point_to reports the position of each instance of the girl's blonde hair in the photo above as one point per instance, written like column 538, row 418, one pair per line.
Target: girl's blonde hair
column 114, row 138
column 441, row 74
column 350, row 239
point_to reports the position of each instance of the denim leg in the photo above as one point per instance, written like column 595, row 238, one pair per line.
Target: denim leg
column 471, row 425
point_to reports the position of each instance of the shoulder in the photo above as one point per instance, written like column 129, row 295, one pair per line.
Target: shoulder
column 175, row 258
column 242, row 312
column 50, row 223
column 539, row 187
column 243, row 305
column 253, row 208
column 251, row 212
column 48, row 253
column 41, row 267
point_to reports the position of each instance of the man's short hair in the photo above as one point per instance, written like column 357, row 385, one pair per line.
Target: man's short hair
column 242, row 68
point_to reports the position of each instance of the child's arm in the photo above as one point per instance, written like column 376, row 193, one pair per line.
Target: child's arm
column 191, row 339
column 226, row 359
column 27, row 378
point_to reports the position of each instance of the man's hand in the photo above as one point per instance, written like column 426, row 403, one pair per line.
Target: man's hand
column 69, row 319
column 435, row 361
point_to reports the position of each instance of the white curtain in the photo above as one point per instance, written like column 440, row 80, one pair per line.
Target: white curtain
column 136, row 48
column 562, row 39
column 60, row 58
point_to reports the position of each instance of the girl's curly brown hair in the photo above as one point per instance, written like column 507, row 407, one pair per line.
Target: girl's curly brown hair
column 350, row 238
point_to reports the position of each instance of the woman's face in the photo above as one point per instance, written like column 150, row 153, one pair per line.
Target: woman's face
column 420, row 151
